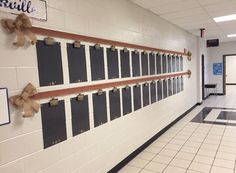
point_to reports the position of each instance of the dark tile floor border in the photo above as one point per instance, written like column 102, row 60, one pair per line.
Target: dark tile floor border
column 125, row 161
column 199, row 118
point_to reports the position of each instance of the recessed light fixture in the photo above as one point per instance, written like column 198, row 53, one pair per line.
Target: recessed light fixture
column 231, row 35
column 225, row 18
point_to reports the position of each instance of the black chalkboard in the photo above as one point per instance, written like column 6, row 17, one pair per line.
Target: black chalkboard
column 97, row 63
column 177, row 64
column 144, row 60
column 174, row 86
column 99, row 109
column 137, row 97
column 173, row 64
column 79, row 115
column 77, row 63
column 152, row 63
column 170, row 87
column 145, row 95
column 153, row 92
column 159, row 90
column 49, row 63
column 164, row 64
column 112, row 63
column 178, row 84
column 126, row 99
column 158, row 64
column 54, row 124
column 165, row 92
column 135, row 64
column 125, row 64
column 169, row 63
column 114, row 100
column 182, row 84
column 181, row 64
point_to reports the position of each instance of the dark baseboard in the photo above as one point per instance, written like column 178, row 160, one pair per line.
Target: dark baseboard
column 150, row 141
column 199, row 103
column 212, row 94
column 231, row 84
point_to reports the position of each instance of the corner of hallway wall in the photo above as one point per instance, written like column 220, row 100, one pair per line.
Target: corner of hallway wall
column 21, row 143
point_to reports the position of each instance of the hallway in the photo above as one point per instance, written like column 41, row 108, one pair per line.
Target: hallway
column 203, row 141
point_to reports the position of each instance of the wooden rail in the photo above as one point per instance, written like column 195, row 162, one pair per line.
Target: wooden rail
column 65, row 35
column 77, row 90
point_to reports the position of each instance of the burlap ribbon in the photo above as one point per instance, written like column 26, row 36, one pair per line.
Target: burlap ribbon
column 21, row 27
column 25, row 101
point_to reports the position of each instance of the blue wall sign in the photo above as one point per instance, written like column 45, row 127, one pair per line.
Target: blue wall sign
column 217, row 68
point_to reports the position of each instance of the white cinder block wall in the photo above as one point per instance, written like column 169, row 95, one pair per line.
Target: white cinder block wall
column 98, row 150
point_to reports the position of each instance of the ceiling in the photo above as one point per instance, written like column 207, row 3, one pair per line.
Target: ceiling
column 192, row 15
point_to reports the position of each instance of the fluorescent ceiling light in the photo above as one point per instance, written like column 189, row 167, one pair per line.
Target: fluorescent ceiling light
column 225, row 18
column 232, row 35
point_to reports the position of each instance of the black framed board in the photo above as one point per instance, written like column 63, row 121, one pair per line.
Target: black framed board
column 164, row 64
column 137, row 97
column 159, row 63
column 173, row 64
column 99, row 109
column 77, row 63
column 169, row 63
column 144, row 61
column 79, row 115
column 54, row 123
column 126, row 100
column 145, row 94
column 135, row 64
column 97, row 63
column 170, row 87
column 165, row 91
column 152, row 64
column 49, row 63
column 125, row 63
column 153, row 90
column 159, row 90
column 114, row 100
column 112, row 63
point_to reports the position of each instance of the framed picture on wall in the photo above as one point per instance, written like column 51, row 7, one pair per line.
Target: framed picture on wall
column 4, row 107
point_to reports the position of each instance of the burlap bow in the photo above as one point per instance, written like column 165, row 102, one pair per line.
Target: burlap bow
column 21, row 27
column 24, row 100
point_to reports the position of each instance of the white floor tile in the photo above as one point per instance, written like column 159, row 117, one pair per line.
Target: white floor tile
column 224, row 163
column 162, row 159
column 216, row 169
column 136, row 162
column 172, row 169
column 203, row 159
column 155, row 167
column 170, row 153
column 200, row 167
column 146, row 155
column 129, row 169
column 180, row 163
column 226, row 156
column 152, row 149
column 185, row 156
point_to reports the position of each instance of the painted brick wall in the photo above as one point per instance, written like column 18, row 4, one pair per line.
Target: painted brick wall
column 98, row 150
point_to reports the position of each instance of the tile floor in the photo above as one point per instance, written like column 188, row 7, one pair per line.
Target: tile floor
column 192, row 147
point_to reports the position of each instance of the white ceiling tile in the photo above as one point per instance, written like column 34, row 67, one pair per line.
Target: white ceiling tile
column 175, row 7
column 184, row 13
column 153, row 3
column 191, row 15
column 209, row 2
column 215, row 9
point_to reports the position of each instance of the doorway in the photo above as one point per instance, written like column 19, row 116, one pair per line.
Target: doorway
column 203, row 77
column 229, row 77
